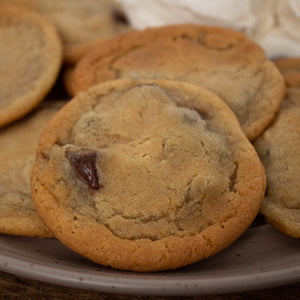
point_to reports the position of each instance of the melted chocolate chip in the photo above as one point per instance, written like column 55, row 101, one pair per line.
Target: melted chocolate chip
column 84, row 166
column 119, row 16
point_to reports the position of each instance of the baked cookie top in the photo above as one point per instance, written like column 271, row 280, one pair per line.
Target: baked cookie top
column 146, row 175
column 18, row 150
column 290, row 68
column 80, row 24
column 30, row 59
column 279, row 149
column 83, row 23
column 221, row 60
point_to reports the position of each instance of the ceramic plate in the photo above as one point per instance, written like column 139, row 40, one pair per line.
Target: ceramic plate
column 261, row 258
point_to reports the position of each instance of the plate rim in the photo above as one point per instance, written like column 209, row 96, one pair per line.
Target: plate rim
column 129, row 283
column 168, row 287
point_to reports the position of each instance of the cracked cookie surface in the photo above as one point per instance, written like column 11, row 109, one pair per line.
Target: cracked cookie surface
column 279, row 149
column 221, row 60
column 146, row 175
column 17, row 213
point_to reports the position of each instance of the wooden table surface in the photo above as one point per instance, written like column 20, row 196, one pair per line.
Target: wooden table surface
column 15, row 287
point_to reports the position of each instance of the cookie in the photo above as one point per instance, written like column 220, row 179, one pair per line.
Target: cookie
column 221, row 60
column 290, row 68
column 31, row 56
column 81, row 24
column 17, row 213
column 279, row 149
column 146, row 175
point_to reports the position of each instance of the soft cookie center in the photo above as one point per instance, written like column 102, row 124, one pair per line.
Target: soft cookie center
column 160, row 169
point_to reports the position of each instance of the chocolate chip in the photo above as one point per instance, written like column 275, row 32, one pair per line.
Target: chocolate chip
column 119, row 16
column 84, row 165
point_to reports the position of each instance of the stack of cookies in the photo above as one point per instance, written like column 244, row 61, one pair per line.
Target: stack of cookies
column 37, row 38
column 162, row 157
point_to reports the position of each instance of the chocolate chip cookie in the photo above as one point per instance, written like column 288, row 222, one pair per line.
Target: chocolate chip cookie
column 279, row 149
column 221, row 60
column 30, row 59
column 146, row 175
column 83, row 23
column 18, row 145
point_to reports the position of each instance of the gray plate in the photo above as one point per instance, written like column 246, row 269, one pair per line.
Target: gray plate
column 261, row 258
